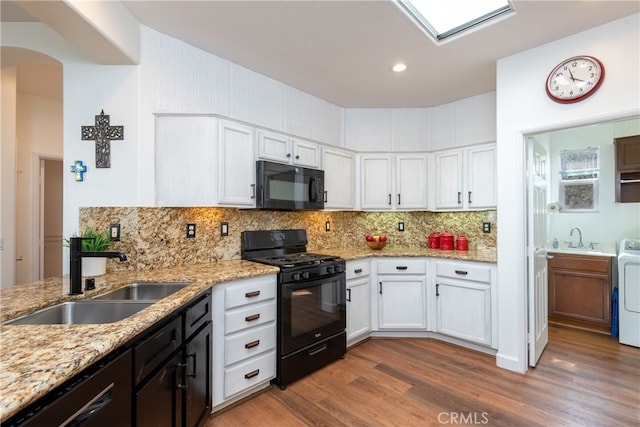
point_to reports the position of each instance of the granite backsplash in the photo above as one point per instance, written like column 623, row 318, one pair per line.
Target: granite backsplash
column 156, row 237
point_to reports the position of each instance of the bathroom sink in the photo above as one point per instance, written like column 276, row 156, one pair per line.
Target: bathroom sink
column 81, row 312
column 151, row 291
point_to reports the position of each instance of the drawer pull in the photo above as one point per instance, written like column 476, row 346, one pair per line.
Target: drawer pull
column 401, row 267
column 317, row 350
column 252, row 344
column 251, row 374
column 348, row 294
column 252, row 294
column 437, row 289
column 252, row 317
column 357, row 271
column 464, row 273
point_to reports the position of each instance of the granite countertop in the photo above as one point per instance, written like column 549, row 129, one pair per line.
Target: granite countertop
column 34, row 359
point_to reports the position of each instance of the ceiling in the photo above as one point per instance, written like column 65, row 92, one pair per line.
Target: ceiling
column 342, row 51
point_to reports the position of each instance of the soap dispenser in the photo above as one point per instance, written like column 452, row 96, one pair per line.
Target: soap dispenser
column 555, row 243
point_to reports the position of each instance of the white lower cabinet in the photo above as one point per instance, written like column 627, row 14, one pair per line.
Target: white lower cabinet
column 358, row 301
column 402, row 294
column 465, row 301
column 244, row 349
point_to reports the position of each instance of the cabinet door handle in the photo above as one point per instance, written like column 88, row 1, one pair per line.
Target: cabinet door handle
column 195, row 364
column 182, row 366
column 389, row 198
column 550, row 257
column 297, row 157
column 90, row 408
column 349, row 294
column 251, row 374
column 253, row 191
column 252, row 317
column 469, row 197
column 380, row 288
column 464, row 273
column 398, row 198
column 357, row 271
column 437, row 289
column 252, row 294
column 252, row 344
column 459, row 195
column 325, row 196
column 288, row 155
column 401, row 267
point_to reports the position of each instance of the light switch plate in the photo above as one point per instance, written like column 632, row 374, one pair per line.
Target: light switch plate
column 401, row 226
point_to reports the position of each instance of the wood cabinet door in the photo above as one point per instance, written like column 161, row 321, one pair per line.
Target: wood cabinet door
column 358, row 309
column 402, row 302
column 159, row 401
column 463, row 310
column 449, row 180
column 339, row 178
column 236, row 165
column 198, row 377
column 481, row 177
column 376, row 182
column 411, row 182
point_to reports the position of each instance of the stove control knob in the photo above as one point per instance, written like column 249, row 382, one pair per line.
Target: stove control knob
column 305, row 274
column 296, row 276
column 329, row 270
column 337, row 269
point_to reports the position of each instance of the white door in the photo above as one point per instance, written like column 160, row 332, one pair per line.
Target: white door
column 411, row 181
column 449, row 180
column 537, row 248
column 376, row 182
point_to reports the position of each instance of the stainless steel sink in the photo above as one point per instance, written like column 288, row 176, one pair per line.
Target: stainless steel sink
column 81, row 312
column 151, row 291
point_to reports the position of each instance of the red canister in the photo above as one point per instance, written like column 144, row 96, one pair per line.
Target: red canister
column 462, row 243
column 446, row 241
column 434, row 240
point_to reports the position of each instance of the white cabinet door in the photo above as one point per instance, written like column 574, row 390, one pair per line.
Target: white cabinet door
column 186, row 157
column 449, row 179
column 463, row 310
column 402, row 302
column 236, row 165
column 481, row 177
column 305, row 153
column 376, row 181
column 358, row 309
column 274, row 146
column 339, row 178
column 411, row 181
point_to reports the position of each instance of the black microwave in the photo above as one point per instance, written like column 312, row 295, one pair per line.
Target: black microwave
column 287, row 187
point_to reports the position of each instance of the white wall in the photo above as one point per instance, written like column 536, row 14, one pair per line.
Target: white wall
column 8, row 79
column 523, row 108
column 613, row 221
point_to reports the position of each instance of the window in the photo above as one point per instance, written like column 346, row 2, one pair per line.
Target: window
column 445, row 18
column 579, row 179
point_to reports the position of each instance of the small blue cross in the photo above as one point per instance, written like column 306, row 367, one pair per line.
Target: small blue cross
column 78, row 169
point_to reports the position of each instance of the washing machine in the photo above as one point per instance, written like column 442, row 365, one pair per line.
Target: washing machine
column 629, row 292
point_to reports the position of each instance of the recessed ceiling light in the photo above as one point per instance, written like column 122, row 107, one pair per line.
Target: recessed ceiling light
column 399, row 67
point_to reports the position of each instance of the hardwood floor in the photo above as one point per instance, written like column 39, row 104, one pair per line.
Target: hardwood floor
column 582, row 379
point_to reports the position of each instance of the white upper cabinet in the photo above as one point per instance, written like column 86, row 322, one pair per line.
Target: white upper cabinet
column 186, row 155
column 466, row 178
column 393, row 182
column 281, row 148
column 236, row 165
column 339, row 178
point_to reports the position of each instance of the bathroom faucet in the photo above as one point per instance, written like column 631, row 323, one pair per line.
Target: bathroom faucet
column 580, row 244
column 75, row 262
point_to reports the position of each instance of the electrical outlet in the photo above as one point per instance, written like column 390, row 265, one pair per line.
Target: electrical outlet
column 401, row 226
column 224, row 229
column 114, row 232
column 327, row 226
column 486, row 227
column 191, row 231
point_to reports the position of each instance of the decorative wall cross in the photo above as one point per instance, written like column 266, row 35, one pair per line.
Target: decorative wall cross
column 78, row 169
column 102, row 134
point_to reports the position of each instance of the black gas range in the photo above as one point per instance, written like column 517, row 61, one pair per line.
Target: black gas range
column 311, row 319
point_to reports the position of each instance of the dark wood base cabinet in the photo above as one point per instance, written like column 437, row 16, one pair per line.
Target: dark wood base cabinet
column 580, row 291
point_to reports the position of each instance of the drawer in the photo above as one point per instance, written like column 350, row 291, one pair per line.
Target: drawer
column 248, row 293
column 151, row 352
column 249, row 343
column 249, row 373
column 402, row 267
column 477, row 273
column 357, row 269
column 247, row 317
column 197, row 314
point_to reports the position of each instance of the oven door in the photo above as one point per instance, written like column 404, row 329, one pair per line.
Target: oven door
column 286, row 187
column 311, row 311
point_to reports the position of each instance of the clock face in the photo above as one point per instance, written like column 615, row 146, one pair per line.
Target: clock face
column 575, row 79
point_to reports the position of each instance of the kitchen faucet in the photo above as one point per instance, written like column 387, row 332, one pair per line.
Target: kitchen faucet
column 75, row 262
column 580, row 244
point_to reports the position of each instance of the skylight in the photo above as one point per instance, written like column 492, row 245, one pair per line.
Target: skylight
column 445, row 18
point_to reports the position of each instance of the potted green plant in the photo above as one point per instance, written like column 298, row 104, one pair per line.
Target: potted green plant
column 94, row 241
